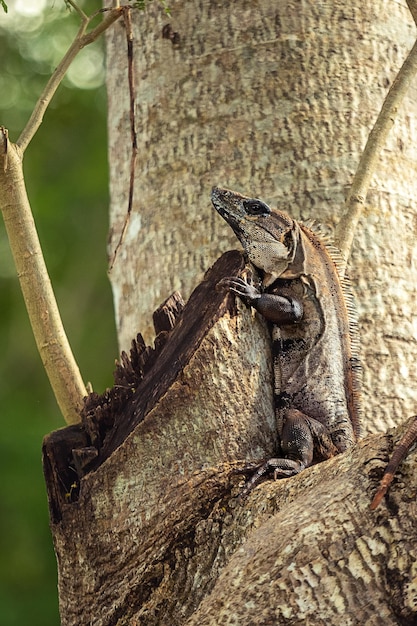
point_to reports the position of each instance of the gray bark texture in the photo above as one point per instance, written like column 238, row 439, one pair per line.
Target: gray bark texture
column 156, row 533
column 273, row 99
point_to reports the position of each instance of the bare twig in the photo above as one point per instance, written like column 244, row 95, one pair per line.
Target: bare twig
column 82, row 39
column 5, row 141
column 355, row 201
column 41, row 305
column 51, row 340
column 399, row 454
column 78, row 10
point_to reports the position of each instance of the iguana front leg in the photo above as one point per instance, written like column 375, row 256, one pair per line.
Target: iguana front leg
column 276, row 308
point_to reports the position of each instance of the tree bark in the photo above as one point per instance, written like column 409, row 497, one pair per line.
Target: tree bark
column 318, row 556
column 273, row 99
column 151, row 530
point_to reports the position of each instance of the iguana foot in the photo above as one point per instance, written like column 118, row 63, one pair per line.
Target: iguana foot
column 304, row 440
column 281, row 468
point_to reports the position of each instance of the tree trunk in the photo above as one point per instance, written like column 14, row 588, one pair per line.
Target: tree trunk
column 147, row 521
column 275, row 100
column 272, row 99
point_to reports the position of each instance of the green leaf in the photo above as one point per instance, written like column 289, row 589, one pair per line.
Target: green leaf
column 4, row 5
column 166, row 8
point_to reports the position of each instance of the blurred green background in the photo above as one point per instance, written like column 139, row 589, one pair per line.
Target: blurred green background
column 66, row 175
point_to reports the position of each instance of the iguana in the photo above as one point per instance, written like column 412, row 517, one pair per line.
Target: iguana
column 314, row 338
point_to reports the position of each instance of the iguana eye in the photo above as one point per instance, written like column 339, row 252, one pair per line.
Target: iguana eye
column 256, row 207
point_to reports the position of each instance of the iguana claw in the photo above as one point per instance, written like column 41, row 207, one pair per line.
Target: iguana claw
column 282, row 468
column 240, row 287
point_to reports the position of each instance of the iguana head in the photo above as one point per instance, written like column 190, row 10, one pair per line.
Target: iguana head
column 268, row 237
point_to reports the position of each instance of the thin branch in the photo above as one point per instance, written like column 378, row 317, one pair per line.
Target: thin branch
column 48, row 330
column 78, row 10
column 355, row 201
column 397, row 457
column 81, row 40
column 41, row 305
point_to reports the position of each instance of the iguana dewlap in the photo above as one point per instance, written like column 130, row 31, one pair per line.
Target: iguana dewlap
column 316, row 369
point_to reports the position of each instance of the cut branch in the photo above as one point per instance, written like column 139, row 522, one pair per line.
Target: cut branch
column 355, row 201
column 147, row 489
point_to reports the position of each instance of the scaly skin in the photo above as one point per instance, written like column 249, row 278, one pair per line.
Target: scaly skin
column 316, row 369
